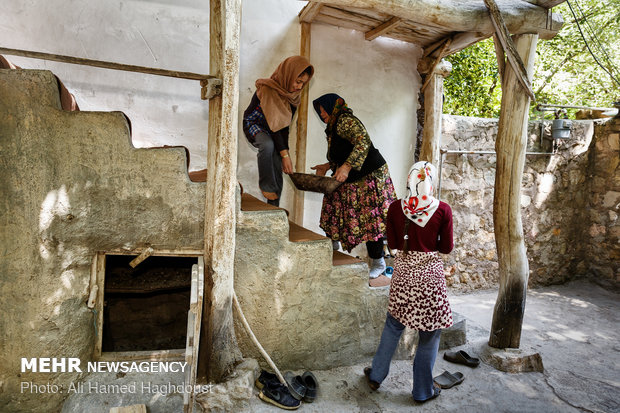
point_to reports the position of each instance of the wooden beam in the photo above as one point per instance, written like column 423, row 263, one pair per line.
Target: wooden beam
column 501, row 58
column 459, row 42
column 433, row 113
column 547, row 4
column 218, row 351
column 440, row 55
column 103, row 64
column 462, row 16
column 383, row 28
column 136, row 408
column 510, row 147
column 509, row 48
column 309, row 12
column 302, row 128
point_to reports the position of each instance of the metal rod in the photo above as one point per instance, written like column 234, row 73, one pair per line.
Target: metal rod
column 441, row 156
column 540, row 105
column 105, row 65
column 490, row 152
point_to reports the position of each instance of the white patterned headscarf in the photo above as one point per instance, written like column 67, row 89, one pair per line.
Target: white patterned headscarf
column 420, row 204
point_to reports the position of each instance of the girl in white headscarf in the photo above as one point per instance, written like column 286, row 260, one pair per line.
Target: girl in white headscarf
column 420, row 226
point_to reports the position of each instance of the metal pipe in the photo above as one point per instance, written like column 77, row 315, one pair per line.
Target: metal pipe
column 541, row 105
column 490, row 152
column 441, row 156
column 105, row 65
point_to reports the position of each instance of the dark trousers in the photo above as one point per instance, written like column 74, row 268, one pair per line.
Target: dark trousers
column 375, row 248
column 269, row 166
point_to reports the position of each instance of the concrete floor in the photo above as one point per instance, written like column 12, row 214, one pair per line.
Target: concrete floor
column 575, row 328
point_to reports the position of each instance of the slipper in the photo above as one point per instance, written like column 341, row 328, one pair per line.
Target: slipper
column 312, row 386
column 447, row 380
column 461, row 357
column 295, row 385
column 436, row 391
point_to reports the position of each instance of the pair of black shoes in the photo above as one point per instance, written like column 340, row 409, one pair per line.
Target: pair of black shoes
column 288, row 396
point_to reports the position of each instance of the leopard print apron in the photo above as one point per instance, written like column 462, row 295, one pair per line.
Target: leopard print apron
column 418, row 296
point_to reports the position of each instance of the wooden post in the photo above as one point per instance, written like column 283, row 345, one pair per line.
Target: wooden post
column 510, row 147
column 302, row 128
column 218, row 346
column 433, row 111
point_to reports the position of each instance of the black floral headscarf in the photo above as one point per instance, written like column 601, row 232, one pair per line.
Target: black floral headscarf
column 334, row 105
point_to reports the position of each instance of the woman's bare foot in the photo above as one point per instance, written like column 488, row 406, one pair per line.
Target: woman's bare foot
column 272, row 196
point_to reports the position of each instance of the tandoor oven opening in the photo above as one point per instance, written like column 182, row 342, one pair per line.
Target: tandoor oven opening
column 145, row 308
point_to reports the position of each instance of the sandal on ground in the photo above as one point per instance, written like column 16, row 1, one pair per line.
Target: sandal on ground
column 461, row 357
column 436, row 392
column 279, row 395
column 295, row 385
column 447, row 380
column 312, row 386
column 371, row 383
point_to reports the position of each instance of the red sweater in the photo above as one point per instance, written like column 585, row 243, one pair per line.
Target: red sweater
column 435, row 236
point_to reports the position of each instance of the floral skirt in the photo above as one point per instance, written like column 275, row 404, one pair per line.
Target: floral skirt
column 418, row 296
column 356, row 212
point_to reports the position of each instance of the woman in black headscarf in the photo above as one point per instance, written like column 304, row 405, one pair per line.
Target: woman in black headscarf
column 357, row 210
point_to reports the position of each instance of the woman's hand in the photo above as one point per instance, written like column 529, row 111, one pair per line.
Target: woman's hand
column 321, row 169
column 342, row 173
column 287, row 165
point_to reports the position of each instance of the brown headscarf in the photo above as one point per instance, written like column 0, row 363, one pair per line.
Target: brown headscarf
column 273, row 93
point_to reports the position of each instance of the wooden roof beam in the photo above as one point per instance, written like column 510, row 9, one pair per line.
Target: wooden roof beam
column 463, row 15
column 509, row 48
column 382, row 28
column 547, row 4
column 309, row 12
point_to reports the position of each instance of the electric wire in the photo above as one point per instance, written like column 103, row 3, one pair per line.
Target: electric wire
column 588, row 46
column 594, row 36
column 596, row 39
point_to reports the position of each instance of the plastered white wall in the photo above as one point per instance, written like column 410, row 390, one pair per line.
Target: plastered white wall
column 378, row 78
column 166, row 34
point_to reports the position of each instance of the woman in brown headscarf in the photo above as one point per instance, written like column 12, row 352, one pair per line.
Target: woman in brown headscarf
column 266, row 122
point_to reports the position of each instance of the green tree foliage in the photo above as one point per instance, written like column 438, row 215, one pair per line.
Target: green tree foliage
column 473, row 87
column 565, row 71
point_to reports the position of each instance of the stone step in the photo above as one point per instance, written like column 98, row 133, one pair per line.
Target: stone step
column 297, row 233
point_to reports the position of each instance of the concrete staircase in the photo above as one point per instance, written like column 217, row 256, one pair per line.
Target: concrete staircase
column 309, row 307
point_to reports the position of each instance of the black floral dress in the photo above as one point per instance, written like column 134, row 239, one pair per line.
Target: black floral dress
column 356, row 212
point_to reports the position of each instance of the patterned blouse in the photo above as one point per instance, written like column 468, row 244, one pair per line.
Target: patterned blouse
column 351, row 129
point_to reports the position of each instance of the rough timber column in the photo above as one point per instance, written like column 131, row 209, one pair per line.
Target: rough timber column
column 218, row 347
column 510, row 147
column 302, row 128
column 433, row 111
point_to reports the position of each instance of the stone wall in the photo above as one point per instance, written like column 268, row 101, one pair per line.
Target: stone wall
column 570, row 205
column 603, row 206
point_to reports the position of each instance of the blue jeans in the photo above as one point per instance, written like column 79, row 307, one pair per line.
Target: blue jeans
column 269, row 166
column 423, row 362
